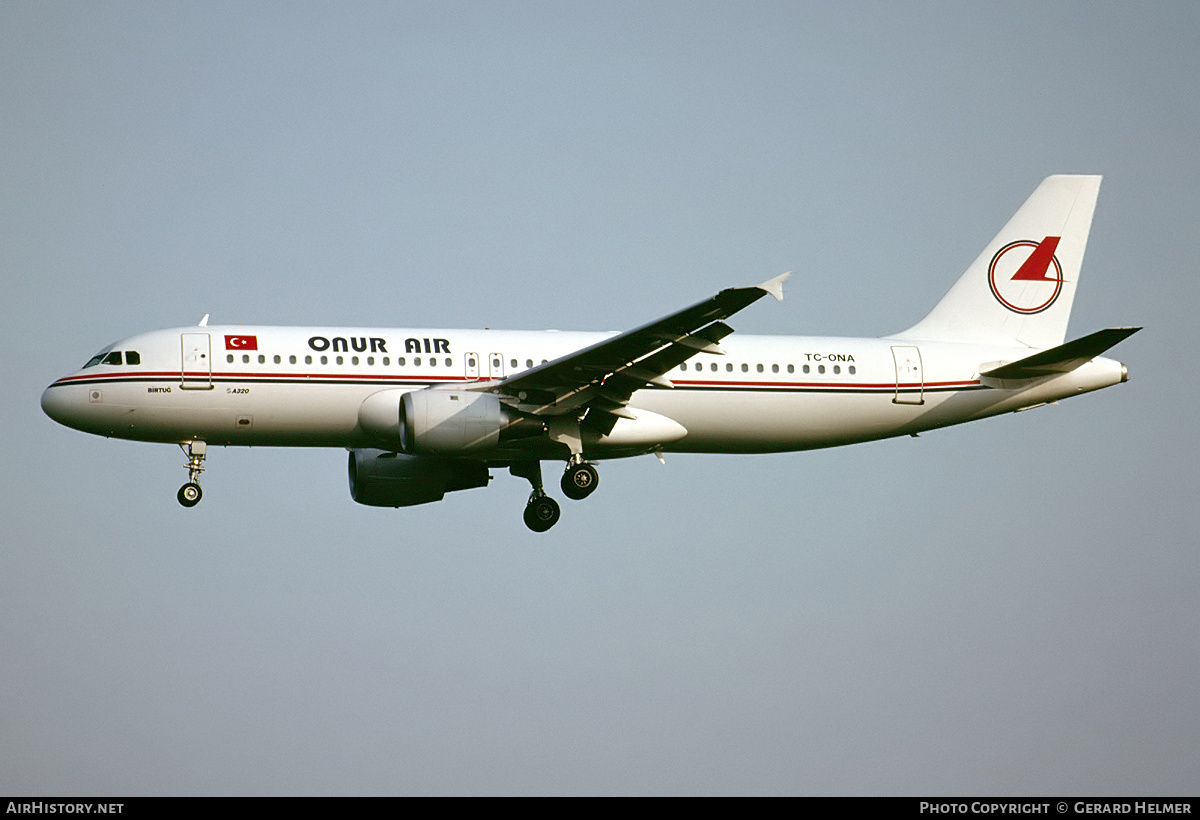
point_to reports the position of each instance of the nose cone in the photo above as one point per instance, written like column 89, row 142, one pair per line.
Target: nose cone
column 52, row 403
column 61, row 403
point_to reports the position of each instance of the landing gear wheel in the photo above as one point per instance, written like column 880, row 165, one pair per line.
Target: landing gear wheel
column 189, row 494
column 541, row 513
column 579, row 481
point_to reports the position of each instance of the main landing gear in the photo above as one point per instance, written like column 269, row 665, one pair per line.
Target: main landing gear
column 189, row 494
column 579, row 480
column 541, row 511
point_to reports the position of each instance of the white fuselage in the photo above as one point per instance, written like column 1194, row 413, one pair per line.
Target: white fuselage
column 425, row 412
column 307, row 386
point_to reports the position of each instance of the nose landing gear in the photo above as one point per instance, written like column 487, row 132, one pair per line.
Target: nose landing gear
column 189, row 494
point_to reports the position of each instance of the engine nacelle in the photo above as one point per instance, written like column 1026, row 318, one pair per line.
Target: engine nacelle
column 442, row 422
column 447, row 422
column 379, row 478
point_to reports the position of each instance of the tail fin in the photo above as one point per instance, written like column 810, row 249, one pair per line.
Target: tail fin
column 1019, row 291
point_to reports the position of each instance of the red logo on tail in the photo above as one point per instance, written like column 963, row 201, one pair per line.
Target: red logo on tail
column 1026, row 283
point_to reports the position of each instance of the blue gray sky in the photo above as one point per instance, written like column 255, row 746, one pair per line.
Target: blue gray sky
column 1007, row 607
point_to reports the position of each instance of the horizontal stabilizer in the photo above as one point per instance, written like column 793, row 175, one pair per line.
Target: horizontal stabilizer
column 1064, row 358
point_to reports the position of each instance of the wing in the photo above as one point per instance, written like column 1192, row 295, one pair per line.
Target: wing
column 595, row 383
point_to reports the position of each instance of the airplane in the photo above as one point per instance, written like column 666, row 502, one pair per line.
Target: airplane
column 424, row 411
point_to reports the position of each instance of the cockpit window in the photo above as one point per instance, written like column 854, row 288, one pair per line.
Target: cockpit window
column 110, row 356
column 99, row 357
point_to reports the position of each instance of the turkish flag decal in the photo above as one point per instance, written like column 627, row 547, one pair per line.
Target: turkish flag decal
column 241, row 343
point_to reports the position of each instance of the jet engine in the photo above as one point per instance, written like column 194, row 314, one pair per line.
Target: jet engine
column 445, row 421
column 442, row 422
column 379, row 478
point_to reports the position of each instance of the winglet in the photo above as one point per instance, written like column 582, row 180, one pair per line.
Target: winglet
column 775, row 286
column 204, row 321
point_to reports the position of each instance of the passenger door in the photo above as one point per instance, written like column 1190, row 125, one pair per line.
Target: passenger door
column 196, row 368
column 910, row 378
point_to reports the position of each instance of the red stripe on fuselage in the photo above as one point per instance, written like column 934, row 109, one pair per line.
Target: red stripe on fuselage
column 284, row 378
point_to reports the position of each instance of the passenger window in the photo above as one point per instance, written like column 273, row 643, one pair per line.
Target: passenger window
column 386, row 361
column 308, row 359
column 416, row 361
column 852, row 370
column 760, row 368
column 683, row 366
column 513, row 364
column 400, row 361
column 745, row 368
column 354, row 360
column 529, row 362
column 245, row 358
column 370, row 360
column 699, row 366
column 432, row 361
column 774, row 368
column 449, row 362
column 291, row 359
column 807, row 369
column 113, row 358
column 133, row 357
column 791, row 368
column 229, row 358
column 278, row 360
column 340, row 359
column 729, row 367
column 837, row 368
column 262, row 359
column 821, row 369
column 324, row 360
column 495, row 364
